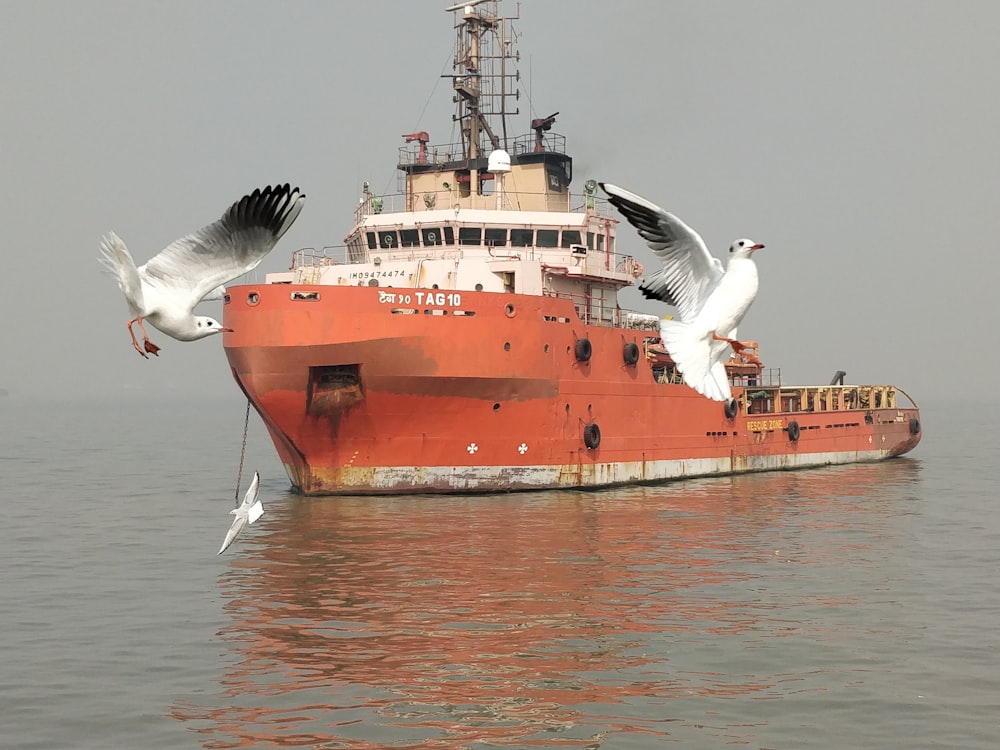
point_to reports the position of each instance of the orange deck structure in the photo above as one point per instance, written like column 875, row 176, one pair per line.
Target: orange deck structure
column 468, row 338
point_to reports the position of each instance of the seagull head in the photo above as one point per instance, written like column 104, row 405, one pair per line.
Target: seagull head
column 205, row 326
column 743, row 248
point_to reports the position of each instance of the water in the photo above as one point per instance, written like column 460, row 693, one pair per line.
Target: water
column 847, row 607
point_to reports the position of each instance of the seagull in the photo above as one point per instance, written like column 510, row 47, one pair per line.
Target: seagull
column 710, row 301
column 196, row 267
column 249, row 511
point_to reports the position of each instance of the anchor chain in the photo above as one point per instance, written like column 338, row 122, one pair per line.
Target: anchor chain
column 243, row 453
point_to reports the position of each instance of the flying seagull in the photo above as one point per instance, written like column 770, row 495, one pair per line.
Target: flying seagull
column 166, row 288
column 710, row 301
column 249, row 511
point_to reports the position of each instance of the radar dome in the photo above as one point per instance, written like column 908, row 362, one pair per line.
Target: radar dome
column 499, row 161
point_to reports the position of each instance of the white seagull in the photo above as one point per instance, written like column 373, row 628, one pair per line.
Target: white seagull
column 249, row 511
column 710, row 301
column 166, row 288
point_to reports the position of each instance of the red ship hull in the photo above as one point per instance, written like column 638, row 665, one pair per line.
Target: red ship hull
column 385, row 391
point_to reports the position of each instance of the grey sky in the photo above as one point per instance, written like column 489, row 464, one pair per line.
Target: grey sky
column 857, row 140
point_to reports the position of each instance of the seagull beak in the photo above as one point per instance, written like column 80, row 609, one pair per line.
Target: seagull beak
column 758, row 246
column 227, row 330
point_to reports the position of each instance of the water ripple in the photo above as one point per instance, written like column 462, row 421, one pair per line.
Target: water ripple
column 571, row 619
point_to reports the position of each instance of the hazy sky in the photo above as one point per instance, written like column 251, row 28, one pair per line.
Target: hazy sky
column 858, row 140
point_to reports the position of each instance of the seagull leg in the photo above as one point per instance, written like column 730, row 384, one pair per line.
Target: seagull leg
column 135, row 343
column 738, row 348
column 149, row 345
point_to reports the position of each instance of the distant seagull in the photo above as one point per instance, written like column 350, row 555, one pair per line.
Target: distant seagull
column 710, row 301
column 166, row 289
column 249, row 511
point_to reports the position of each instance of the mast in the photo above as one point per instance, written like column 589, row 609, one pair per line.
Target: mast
column 485, row 85
column 481, row 76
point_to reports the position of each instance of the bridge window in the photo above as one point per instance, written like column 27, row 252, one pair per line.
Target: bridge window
column 571, row 237
column 435, row 235
column 388, row 240
column 496, row 237
column 522, row 237
column 470, row 236
column 548, row 238
column 372, row 244
column 409, row 238
column 590, row 240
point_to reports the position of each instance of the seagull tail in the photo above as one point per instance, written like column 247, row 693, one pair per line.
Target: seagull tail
column 116, row 258
column 692, row 354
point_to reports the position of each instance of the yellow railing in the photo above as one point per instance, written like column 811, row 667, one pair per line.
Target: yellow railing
column 825, row 398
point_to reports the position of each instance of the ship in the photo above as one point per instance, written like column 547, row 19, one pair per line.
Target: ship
column 467, row 336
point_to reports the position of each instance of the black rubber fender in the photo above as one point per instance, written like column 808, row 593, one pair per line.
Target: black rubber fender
column 731, row 408
column 793, row 431
column 630, row 353
column 592, row 435
column 584, row 350
column 914, row 426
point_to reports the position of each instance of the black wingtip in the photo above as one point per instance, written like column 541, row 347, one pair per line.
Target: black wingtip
column 273, row 208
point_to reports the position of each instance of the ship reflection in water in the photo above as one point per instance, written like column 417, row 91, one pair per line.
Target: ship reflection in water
column 557, row 619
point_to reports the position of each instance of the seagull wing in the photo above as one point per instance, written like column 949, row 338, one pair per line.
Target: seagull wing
column 239, row 523
column 254, row 507
column 218, row 293
column 193, row 266
column 689, row 272
column 252, row 491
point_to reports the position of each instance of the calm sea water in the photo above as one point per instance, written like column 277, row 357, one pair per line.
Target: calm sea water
column 846, row 607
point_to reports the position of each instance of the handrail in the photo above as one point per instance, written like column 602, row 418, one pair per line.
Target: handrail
column 397, row 203
column 441, row 154
column 827, row 399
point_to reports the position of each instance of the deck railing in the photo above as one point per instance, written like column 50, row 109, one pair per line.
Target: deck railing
column 825, row 398
column 416, row 153
column 392, row 203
